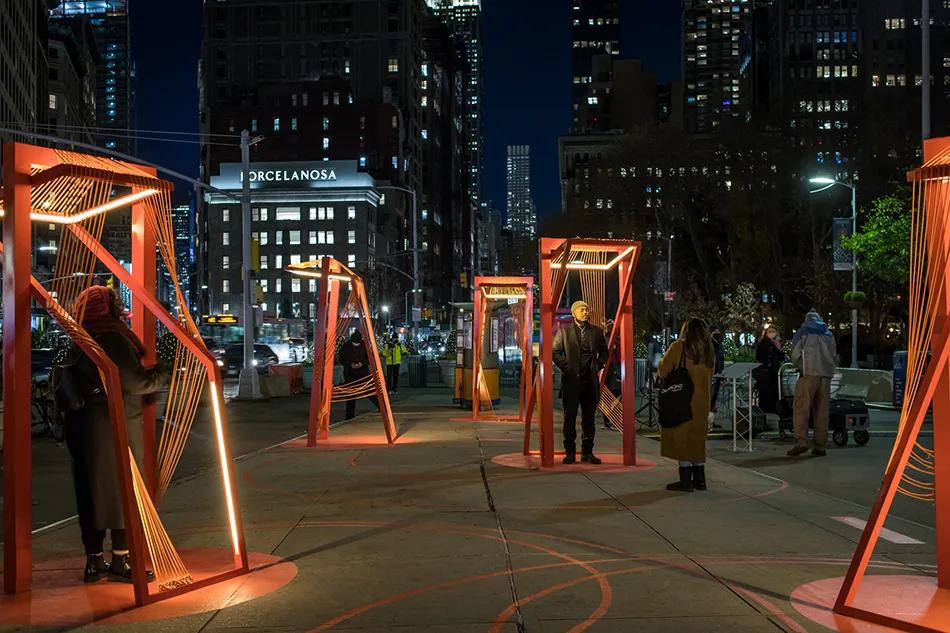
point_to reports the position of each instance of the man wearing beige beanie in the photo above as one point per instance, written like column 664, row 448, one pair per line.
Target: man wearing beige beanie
column 580, row 352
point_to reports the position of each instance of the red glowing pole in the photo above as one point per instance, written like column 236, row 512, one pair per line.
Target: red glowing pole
column 326, row 386
column 527, row 349
column 385, row 408
column 143, row 323
column 17, row 376
column 319, row 351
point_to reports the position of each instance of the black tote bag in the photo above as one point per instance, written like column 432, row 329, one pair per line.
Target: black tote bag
column 676, row 397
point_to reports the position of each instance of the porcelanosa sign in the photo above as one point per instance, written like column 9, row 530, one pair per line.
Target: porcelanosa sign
column 297, row 175
column 305, row 175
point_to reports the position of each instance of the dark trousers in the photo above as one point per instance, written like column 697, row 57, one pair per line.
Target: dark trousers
column 351, row 406
column 92, row 538
column 587, row 398
column 716, row 384
column 392, row 378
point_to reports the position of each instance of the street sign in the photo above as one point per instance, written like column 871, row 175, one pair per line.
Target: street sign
column 669, row 296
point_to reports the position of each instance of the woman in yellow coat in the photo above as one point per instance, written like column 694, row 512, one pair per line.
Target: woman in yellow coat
column 686, row 443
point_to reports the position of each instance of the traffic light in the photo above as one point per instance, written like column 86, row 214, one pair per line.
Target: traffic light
column 464, row 279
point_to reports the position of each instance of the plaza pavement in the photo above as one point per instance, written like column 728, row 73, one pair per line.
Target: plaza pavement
column 430, row 534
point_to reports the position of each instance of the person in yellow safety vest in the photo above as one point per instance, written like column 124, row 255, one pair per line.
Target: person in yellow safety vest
column 393, row 352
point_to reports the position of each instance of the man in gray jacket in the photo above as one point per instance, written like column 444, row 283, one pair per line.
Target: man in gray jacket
column 813, row 352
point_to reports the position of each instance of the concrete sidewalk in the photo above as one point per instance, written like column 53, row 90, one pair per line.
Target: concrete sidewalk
column 431, row 534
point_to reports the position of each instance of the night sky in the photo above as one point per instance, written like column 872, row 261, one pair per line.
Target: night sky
column 527, row 79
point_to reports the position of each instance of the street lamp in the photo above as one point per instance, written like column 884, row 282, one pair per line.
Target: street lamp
column 669, row 278
column 386, row 312
column 829, row 183
column 415, row 253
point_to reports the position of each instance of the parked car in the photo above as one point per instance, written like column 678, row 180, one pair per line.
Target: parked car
column 232, row 361
column 433, row 347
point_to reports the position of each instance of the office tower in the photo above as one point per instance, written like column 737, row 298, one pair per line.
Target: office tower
column 115, row 90
column 73, row 58
column 22, row 97
column 183, row 224
column 712, row 34
column 595, row 31
column 522, row 221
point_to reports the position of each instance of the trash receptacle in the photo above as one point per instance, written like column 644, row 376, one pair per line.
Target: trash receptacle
column 417, row 370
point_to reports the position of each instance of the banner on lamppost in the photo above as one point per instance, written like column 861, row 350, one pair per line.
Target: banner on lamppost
column 843, row 257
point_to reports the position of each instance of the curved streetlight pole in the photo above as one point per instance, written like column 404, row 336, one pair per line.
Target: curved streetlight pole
column 854, row 256
column 415, row 257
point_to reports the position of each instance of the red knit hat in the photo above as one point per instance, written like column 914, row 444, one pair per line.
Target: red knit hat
column 98, row 301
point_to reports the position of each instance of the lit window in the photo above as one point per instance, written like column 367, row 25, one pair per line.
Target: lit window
column 225, row 262
column 395, row 162
column 329, row 237
column 891, row 80
column 264, row 284
column 336, row 98
column 52, row 101
column 295, row 259
column 225, row 285
column 326, row 142
column 395, row 122
column 295, row 237
column 263, row 214
column 351, row 213
column 382, row 199
column 362, row 161
column 312, row 286
column 425, row 101
column 277, row 285
column 876, row 81
column 902, row 80
column 313, row 213
column 225, row 239
column 278, row 261
column 263, row 262
column 393, row 65
column 425, row 70
column 313, row 237
column 351, row 261
column 277, row 124
column 295, row 282
column 279, row 237
column 351, row 237
column 253, row 125
column 326, row 123
column 289, row 214
column 592, row 100
column 425, row 135
column 293, row 124
column 263, row 240
column 346, row 67
column 226, row 215
column 225, row 307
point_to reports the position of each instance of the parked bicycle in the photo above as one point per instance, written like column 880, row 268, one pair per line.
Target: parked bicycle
column 46, row 418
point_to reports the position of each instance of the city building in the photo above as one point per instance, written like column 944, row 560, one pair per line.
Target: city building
column 183, row 224
column 302, row 211
column 73, row 58
column 394, row 67
column 22, row 76
column 522, row 220
column 712, row 34
column 489, row 239
column 115, row 75
column 463, row 17
column 670, row 104
column 595, row 31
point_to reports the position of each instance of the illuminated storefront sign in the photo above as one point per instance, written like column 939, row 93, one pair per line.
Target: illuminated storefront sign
column 295, row 175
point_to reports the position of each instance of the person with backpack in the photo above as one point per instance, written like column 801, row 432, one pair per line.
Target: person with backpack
column 687, row 371
column 88, row 427
column 354, row 357
column 393, row 352
column 814, row 353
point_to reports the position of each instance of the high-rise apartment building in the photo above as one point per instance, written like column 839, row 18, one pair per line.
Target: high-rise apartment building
column 595, row 31
column 712, row 36
column 522, row 220
column 73, row 59
column 115, row 75
column 183, row 224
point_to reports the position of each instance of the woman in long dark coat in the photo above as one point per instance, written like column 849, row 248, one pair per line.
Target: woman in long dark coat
column 686, row 443
column 770, row 354
column 89, row 434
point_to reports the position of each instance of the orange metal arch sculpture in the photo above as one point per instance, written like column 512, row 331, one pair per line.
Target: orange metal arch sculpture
column 557, row 258
column 75, row 191
column 487, row 291
column 331, row 276
column 928, row 382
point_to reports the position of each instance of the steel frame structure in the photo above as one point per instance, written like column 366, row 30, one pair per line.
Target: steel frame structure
column 555, row 262
column 487, row 291
column 331, row 275
column 932, row 201
column 26, row 167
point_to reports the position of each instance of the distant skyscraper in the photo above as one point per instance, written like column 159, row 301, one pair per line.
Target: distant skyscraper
column 115, row 93
column 20, row 85
column 712, row 34
column 183, row 224
column 596, row 31
column 522, row 221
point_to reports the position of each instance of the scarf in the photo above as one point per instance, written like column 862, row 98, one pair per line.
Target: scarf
column 99, row 318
